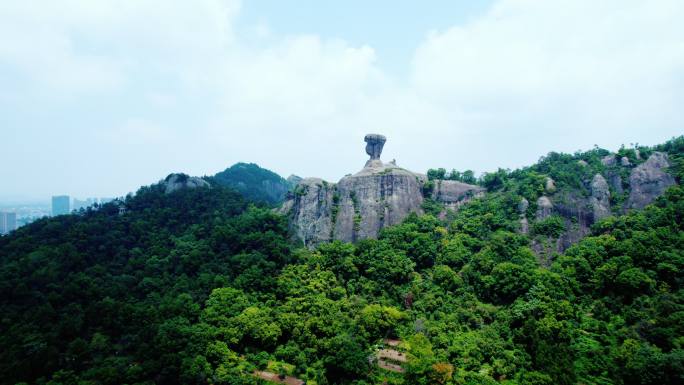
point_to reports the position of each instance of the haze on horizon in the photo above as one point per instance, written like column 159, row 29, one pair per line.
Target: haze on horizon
column 99, row 98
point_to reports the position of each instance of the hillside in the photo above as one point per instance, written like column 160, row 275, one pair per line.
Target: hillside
column 255, row 183
column 197, row 285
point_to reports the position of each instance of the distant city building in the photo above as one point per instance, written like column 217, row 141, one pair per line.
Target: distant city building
column 60, row 205
column 8, row 222
column 79, row 204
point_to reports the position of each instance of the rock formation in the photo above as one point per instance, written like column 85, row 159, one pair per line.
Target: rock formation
column 600, row 197
column 522, row 213
column 360, row 205
column 374, row 145
column 175, row 182
column 649, row 180
column 544, row 207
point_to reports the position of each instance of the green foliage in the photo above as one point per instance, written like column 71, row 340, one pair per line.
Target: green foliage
column 255, row 183
column 202, row 287
column 552, row 226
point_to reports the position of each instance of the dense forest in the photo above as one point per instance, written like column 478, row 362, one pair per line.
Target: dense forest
column 205, row 286
column 254, row 183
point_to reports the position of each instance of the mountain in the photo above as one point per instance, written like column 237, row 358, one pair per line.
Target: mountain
column 571, row 191
column 255, row 183
column 193, row 283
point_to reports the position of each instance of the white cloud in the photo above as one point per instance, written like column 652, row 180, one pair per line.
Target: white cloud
column 189, row 91
column 603, row 69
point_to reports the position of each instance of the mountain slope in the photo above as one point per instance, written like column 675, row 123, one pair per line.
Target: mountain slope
column 255, row 183
column 199, row 286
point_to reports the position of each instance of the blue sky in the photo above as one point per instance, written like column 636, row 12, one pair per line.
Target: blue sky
column 98, row 98
column 393, row 28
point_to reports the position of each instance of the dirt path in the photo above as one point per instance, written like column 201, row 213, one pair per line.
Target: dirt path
column 273, row 377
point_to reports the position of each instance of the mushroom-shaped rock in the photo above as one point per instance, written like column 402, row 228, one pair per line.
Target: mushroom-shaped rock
column 374, row 144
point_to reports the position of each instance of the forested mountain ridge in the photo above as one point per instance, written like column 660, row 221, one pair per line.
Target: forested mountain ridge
column 256, row 183
column 198, row 286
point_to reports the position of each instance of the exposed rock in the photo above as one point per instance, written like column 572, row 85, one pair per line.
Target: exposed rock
column 637, row 154
column 453, row 193
column 522, row 206
column 615, row 181
column 360, row 205
column 624, row 162
column 549, row 185
column 524, row 226
column 294, row 180
column 609, row 160
column 582, row 163
column 648, row 181
column 600, row 197
column 311, row 210
column 175, row 182
column 374, row 144
column 375, row 198
column 544, row 207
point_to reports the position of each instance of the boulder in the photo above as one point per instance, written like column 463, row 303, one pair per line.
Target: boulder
column 178, row 181
column 544, row 207
column 453, row 193
column 609, row 160
column 549, row 185
column 624, row 162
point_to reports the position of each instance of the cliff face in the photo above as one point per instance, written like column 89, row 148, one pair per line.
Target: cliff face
column 378, row 196
column 649, row 180
column 581, row 209
column 360, row 205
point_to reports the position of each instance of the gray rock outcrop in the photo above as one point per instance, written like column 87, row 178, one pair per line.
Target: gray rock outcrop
column 544, row 207
column 523, row 205
column 600, row 197
column 649, row 180
column 360, row 205
column 609, row 160
column 175, row 182
column 294, row 180
column 453, row 194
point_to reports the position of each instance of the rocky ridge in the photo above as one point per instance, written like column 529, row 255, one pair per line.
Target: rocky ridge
column 579, row 210
column 360, row 205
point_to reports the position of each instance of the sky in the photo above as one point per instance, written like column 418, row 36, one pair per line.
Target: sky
column 100, row 97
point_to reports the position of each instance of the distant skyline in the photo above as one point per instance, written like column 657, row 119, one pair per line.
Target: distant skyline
column 101, row 97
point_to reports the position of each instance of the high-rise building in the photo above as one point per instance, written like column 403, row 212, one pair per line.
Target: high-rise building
column 60, row 205
column 8, row 222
